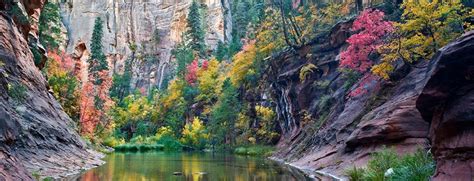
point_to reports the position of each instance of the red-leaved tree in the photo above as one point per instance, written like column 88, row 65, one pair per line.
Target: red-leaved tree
column 371, row 28
column 191, row 72
column 95, row 103
column 204, row 65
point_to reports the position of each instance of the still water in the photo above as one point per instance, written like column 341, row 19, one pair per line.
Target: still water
column 189, row 167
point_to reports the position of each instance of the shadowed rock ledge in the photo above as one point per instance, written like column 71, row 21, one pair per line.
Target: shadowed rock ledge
column 36, row 136
column 447, row 103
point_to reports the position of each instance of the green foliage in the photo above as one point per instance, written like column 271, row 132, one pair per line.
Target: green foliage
column 425, row 27
column 351, row 78
column 135, row 108
column 156, row 36
column 195, row 134
column 19, row 15
column 380, row 163
column 355, row 174
column 139, row 147
column 36, row 175
column 184, row 55
column 266, row 132
column 418, row 166
column 166, row 137
column 50, row 26
column 195, row 34
column 221, row 51
column 257, row 150
column 65, row 87
column 224, row 114
column 415, row 167
column 17, row 91
column 97, row 61
column 121, row 84
column 113, row 142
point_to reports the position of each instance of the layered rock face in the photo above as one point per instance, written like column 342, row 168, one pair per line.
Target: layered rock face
column 326, row 129
column 447, row 103
column 35, row 133
column 154, row 27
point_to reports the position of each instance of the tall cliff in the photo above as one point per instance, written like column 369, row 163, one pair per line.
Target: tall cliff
column 154, row 27
column 327, row 130
column 36, row 136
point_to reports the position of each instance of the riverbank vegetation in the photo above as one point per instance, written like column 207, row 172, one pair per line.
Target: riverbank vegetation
column 208, row 100
column 388, row 165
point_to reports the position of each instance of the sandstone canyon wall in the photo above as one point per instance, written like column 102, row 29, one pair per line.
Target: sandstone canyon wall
column 138, row 23
column 327, row 130
column 36, row 136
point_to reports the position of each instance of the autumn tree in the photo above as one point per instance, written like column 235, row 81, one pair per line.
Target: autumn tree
column 191, row 72
column 242, row 64
column 64, row 84
column 209, row 83
column 95, row 98
column 426, row 26
column 371, row 28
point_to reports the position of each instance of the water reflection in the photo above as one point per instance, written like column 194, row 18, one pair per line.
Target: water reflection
column 189, row 167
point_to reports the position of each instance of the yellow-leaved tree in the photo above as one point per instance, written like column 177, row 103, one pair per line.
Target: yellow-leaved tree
column 426, row 26
column 242, row 64
column 195, row 134
column 209, row 82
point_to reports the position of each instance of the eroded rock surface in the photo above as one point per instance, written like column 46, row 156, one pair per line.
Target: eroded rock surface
column 154, row 27
column 35, row 133
column 328, row 130
column 447, row 103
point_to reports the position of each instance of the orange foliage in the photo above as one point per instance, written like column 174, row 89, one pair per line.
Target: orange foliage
column 64, row 60
column 95, row 103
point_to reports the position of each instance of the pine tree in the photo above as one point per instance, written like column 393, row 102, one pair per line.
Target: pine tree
column 221, row 51
column 97, row 60
column 121, row 84
column 224, row 114
column 195, row 33
column 50, row 26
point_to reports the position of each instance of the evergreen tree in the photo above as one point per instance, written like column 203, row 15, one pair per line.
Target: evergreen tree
column 184, row 55
column 221, row 51
column 241, row 18
column 224, row 114
column 121, row 84
column 50, row 26
column 195, row 33
column 97, row 60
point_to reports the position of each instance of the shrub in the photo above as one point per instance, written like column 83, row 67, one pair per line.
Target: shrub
column 113, row 142
column 17, row 91
column 195, row 134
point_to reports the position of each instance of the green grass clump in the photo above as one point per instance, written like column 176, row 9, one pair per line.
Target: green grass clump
column 418, row 166
column 355, row 174
column 257, row 150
